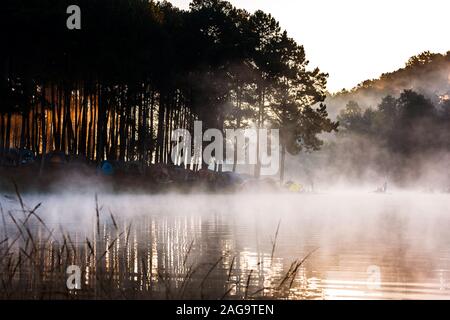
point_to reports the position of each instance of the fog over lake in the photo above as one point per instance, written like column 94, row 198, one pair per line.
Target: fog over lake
column 356, row 244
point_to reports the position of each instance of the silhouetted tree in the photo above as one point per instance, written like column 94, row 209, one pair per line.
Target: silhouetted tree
column 138, row 69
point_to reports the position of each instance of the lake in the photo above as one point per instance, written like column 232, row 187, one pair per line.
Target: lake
column 341, row 245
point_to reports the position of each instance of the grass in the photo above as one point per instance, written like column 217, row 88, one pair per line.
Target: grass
column 34, row 257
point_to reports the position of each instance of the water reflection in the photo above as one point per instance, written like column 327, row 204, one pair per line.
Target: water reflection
column 226, row 247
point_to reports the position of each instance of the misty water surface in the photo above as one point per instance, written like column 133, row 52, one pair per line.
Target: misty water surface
column 229, row 241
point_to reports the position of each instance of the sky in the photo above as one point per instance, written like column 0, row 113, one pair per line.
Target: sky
column 356, row 40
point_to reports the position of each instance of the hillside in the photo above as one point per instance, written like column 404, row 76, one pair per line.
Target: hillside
column 427, row 73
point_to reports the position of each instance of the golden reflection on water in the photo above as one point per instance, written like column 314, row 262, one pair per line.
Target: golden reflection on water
column 227, row 254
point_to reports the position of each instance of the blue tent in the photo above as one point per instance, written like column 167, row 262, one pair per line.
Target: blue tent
column 107, row 168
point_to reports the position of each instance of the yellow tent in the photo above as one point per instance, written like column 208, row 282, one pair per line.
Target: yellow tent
column 295, row 187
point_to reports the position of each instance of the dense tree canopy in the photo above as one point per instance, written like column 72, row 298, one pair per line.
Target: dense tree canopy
column 404, row 131
column 137, row 70
column 408, row 124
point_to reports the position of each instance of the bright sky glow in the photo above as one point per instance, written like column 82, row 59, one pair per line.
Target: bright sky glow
column 355, row 40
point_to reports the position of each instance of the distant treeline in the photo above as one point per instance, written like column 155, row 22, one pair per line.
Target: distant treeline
column 426, row 73
column 408, row 124
column 137, row 70
column 401, row 138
